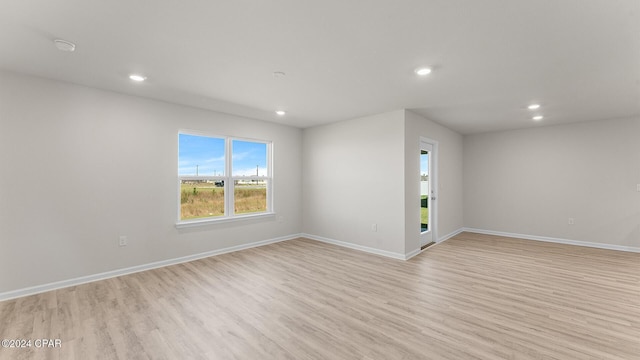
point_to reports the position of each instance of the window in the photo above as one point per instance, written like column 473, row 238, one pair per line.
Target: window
column 223, row 177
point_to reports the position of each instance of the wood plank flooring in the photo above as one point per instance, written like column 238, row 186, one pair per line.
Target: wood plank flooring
column 471, row 297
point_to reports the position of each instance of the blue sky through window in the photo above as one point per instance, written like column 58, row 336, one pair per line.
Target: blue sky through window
column 249, row 158
column 205, row 156
column 200, row 155
column 424, row 164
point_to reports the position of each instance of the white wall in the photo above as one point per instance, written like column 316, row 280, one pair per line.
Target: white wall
column 80, row 166
column 366, row 170
column 449, row 172
column 352, row 178
column 532, row 181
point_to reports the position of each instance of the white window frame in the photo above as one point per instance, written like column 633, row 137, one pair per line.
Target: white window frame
column 229, row 182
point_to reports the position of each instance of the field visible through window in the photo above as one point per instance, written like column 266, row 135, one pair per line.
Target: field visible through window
column 206, row 199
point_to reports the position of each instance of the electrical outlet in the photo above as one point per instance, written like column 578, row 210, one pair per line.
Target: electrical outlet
column 638, row 187
column 374, row 227
column 122, row 240
column 571, row 221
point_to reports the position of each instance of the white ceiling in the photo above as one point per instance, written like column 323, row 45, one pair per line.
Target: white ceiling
column 344, row 59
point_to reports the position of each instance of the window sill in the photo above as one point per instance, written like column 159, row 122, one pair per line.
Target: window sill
column 225, row 220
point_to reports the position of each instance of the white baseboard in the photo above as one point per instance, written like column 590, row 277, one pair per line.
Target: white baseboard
column 375, row 251
column 356, row 247
column 437, row 242
column 450, row 235
column 134, row 269
column 412, row 254
column 556, row 240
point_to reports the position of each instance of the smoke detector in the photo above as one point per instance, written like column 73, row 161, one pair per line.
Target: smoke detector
column 64, row 45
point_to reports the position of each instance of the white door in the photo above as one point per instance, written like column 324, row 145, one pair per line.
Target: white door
column 427, row 191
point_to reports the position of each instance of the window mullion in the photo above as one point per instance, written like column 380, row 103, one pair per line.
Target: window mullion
column 229, row 186
column 269, row 177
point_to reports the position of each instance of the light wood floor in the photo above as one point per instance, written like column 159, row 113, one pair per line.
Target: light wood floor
column 471, row 297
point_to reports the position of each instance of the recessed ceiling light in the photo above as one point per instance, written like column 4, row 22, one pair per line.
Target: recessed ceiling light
column 422, row 71
column 533, row 106
column 280, row 112
column 538, row 117
column 138, row 78
column 64, row 45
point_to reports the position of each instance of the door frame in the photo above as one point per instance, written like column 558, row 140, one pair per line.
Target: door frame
column 433, row 184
